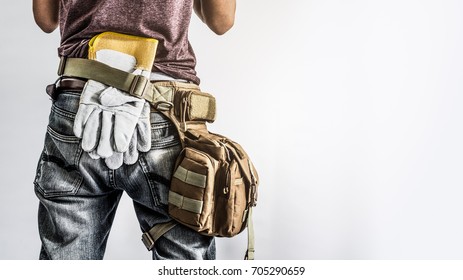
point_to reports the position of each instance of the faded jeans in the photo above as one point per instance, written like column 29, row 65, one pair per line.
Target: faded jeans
column 79, row 195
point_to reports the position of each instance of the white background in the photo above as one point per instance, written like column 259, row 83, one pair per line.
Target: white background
column 350, row 110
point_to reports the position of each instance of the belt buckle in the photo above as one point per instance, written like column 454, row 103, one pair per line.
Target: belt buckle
column 138, row 85
column 148, row 241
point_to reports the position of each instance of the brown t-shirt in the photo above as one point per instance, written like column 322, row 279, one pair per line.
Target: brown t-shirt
column 165, row 20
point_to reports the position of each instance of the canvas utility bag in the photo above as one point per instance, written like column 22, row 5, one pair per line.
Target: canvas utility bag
column 214, row 183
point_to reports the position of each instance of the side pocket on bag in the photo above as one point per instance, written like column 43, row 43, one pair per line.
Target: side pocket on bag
column 231, row 205
column 190, row 195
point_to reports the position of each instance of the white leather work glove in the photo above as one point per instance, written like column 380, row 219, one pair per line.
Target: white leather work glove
column 111, row 122
column 140, row 142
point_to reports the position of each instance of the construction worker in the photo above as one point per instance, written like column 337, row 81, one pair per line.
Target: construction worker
column 78, row 185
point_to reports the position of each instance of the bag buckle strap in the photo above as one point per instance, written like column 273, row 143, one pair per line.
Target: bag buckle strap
column 149, row 238
column 148, row 241
column 139, row 86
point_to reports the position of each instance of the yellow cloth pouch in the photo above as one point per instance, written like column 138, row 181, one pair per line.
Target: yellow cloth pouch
column 142, row 48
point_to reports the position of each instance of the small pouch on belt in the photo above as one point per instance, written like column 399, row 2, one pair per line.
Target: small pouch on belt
column 195, row 106
column 187, row 101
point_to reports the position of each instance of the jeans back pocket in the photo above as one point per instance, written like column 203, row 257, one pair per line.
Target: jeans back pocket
column 57, row 171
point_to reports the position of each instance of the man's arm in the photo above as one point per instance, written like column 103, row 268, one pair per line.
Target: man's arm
column 219, row 15
column 46, row 14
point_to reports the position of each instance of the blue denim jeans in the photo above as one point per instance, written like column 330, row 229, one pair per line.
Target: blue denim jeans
column 79, row 195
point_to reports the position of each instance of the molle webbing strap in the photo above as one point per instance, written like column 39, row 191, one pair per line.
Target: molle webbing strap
column 150, row 237
column 185, row 203
column 190, row 177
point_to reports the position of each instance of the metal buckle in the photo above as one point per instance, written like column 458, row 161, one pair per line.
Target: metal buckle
column 253, row 201
column 62, row 65
column 148, row 241
column 163, row 105
column 249, row 254
column 138, row 85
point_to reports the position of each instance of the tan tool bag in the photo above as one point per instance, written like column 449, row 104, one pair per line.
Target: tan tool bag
column 214, row 185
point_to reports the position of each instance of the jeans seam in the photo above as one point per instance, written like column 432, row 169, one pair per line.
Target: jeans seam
column 63, row 112
column 160, row 125
column 144, row 168
column 78, row 156
column 164, row 142
column 64, row 138
column 76, row 182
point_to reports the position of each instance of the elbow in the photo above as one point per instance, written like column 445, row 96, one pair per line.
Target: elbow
column 47, row 26
column 48, row 29
column 221, row 26
column 46, row 15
